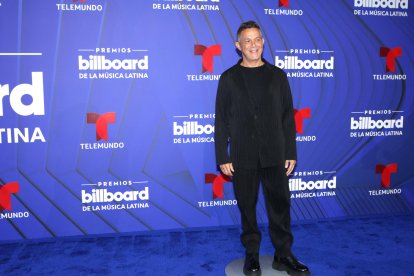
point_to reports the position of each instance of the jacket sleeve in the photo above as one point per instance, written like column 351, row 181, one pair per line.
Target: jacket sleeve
column 221, row 125
column 288, row 121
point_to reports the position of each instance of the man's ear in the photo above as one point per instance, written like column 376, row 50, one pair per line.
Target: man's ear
column 237, row 45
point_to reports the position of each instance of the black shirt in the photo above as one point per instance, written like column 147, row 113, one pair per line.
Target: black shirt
column 254, row 78
column 255, row 81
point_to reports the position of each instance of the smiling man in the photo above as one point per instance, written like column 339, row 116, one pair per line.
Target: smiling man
column 254, row 114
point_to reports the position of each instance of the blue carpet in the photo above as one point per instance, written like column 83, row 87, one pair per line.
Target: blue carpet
column 364, row 246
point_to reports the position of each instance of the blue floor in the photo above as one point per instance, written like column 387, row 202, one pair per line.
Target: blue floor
column 364, row 246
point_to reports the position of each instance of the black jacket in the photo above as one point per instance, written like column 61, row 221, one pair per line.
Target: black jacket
column 263, row 131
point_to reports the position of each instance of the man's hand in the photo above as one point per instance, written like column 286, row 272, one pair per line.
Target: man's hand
column 227, row 169
column 289, row 166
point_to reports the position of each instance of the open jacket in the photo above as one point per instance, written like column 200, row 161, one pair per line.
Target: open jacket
column 262, row 132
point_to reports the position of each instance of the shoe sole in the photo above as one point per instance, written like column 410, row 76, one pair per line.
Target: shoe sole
column 282, row 267
column 250, row 273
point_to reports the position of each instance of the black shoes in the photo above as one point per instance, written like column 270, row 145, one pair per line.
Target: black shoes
column 291, row 265
column 251, row 265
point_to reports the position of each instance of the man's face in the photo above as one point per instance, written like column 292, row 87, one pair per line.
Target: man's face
column 251, row 45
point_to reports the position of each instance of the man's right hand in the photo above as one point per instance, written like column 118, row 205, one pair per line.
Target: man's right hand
column 227, row 169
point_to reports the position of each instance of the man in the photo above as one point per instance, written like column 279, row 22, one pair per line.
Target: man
column 254, row 113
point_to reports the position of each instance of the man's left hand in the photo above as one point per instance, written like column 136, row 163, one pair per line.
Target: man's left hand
column 289, row 166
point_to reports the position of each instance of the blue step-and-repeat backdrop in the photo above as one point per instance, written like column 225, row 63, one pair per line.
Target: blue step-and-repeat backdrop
column 107, row 111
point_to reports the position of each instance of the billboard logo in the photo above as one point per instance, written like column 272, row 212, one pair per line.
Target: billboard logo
column 295, row 63
column 300, row 115
column 26, row 100
column 369, row 123
column 5, row 195
column 381, row 7
column 308, row 63
column 113, row 63
column 101, row 122
column 297, row 184
column 122, row 196
column 196, row 128
column 218, row 182
column 386, row 171
column 34, row 90
column 104, row 196
column 391, row 4
column 390, row 56
column 207, row 54
column 317, row 186
column 192, row 128
column 98, row 62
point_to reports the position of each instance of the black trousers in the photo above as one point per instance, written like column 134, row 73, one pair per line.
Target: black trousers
column 277, row 199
